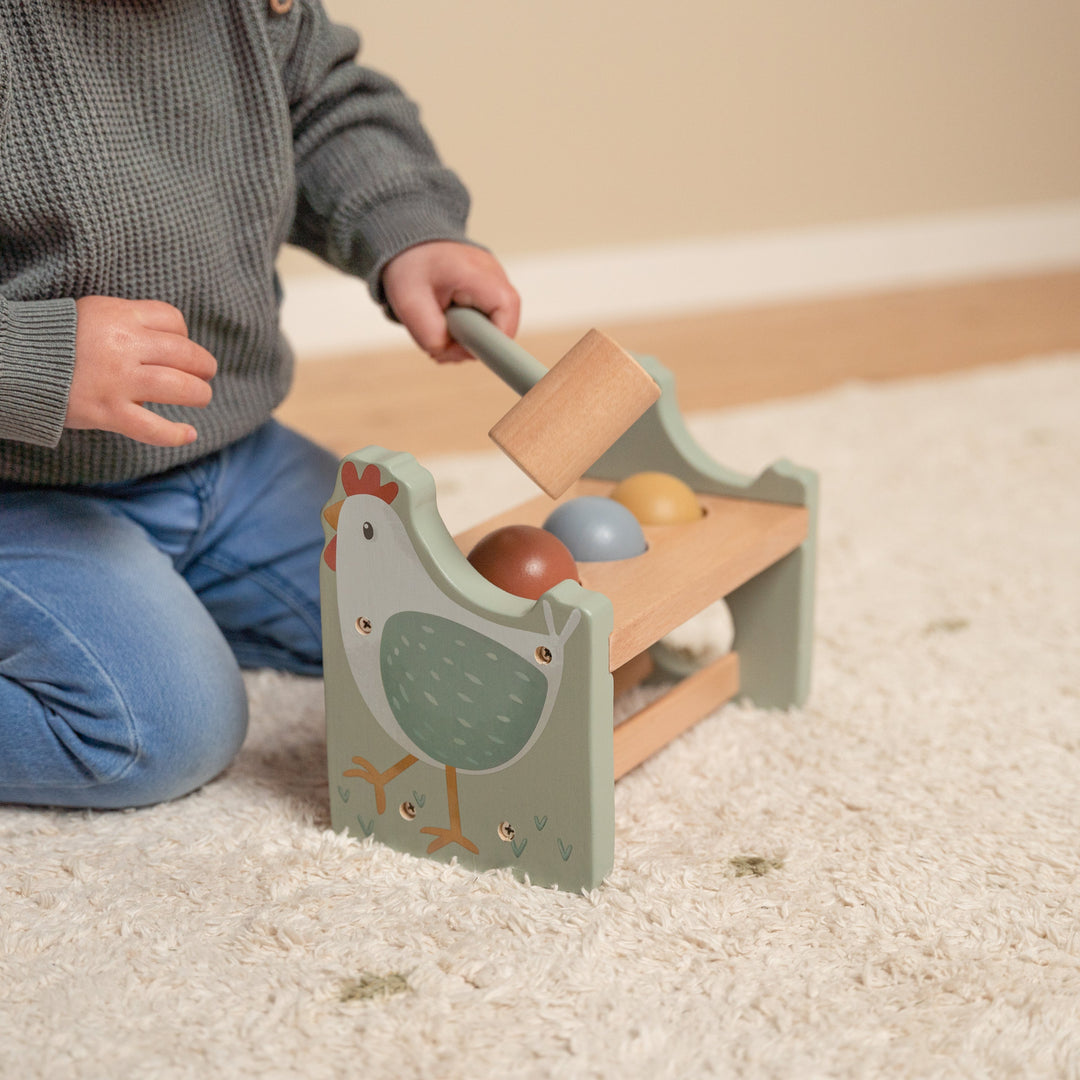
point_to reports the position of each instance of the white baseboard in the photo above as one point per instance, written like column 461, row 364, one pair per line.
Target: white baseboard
column 327, row 313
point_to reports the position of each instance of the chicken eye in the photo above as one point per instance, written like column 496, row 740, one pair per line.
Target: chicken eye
column 368, row 530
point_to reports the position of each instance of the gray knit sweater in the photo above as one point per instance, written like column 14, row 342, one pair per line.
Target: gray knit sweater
column 166, row 149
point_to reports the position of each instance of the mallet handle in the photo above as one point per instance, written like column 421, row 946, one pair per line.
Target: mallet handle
column 519, row 369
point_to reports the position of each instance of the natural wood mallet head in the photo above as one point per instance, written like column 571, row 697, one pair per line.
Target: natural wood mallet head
column 574, row 413
column 568, row 416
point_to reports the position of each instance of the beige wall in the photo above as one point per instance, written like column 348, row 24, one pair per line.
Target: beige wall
column 579, row 123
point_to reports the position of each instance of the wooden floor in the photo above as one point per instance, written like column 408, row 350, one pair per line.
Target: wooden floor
column 401, row 400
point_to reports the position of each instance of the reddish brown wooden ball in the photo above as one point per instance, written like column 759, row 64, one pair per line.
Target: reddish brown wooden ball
column 523, row 560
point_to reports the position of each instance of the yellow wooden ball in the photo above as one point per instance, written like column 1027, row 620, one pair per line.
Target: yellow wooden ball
column 656, row 498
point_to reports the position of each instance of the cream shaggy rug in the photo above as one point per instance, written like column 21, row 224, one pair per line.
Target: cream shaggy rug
column 884, row 883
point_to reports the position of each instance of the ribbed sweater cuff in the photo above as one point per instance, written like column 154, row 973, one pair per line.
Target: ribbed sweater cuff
column 387, row 229
column 37, row 359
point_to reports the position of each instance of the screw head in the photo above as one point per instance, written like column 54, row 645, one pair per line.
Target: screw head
column 363, row 625
column 407, row 810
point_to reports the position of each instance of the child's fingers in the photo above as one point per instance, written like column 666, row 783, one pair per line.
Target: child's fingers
column 168, row 344
column 146, row 427
column 421, row 314
column 132, row 351
column 424, row 280
column 158, row 315
column 452, row 354
column 506, row 317
column 503, row 315
column 496, row 298
column 168, row 350
column 425, row 319
column 171, row 386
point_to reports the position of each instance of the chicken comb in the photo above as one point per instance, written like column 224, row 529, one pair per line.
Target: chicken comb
column 367, row 483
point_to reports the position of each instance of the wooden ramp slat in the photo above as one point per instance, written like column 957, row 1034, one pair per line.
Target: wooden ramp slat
column 686, row 567
column 689, row 701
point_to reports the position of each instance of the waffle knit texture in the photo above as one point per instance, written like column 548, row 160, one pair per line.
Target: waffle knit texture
column 166, row 149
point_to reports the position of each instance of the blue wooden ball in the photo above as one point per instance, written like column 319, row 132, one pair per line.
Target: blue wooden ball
column 596, row 529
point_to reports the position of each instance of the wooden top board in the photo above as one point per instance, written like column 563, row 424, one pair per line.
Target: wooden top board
column 685, row 568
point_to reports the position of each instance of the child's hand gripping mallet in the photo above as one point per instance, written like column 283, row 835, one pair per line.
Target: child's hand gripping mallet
column 568, row 416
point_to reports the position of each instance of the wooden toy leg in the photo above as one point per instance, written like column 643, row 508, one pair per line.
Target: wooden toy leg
column 773, row 614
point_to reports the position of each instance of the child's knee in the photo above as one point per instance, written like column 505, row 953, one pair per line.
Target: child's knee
column 182, row 747
column 121, row 692
column 128, row 744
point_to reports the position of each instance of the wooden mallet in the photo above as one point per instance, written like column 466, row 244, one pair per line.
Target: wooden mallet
column 568, row 416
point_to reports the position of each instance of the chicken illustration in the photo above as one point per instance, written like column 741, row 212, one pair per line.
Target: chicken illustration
column 451, row 687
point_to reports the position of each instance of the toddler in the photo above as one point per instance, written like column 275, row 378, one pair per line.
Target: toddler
column 159, row 531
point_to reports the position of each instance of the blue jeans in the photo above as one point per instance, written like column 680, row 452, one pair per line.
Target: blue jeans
column 127, row 611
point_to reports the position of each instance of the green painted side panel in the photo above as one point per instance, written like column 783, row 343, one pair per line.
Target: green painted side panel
column 549, row 816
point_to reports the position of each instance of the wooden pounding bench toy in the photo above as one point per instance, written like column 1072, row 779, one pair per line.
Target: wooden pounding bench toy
column 465, row 721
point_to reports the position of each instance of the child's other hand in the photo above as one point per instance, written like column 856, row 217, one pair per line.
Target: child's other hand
column 128, row 352
column 423, row 281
